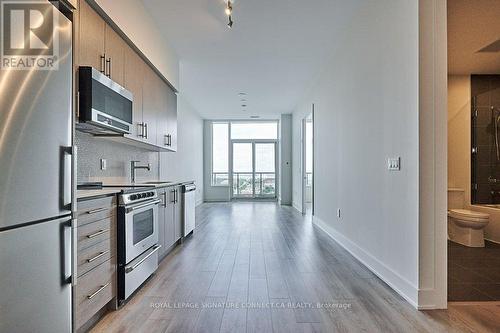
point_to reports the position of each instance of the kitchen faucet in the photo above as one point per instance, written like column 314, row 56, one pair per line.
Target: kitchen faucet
column 134, row 166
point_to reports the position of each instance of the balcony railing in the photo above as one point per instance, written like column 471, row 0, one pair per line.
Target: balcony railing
column 264, row 184
column 220, row 179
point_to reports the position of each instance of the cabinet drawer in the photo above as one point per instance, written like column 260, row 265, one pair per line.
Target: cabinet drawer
column 95, row 255
column 94, row 290
column 96, row 209
column 96, row 232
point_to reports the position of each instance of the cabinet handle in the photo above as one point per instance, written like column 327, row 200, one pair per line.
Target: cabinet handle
column 146, row 130
column 166, row 140
column 164, row 199
column 108, row 65
column 169, row 140
column 173, row 193
column 98, row 291
column 97, row 256
column 140, row 133
column 95, row 234
column 98, row 210
column 103, row 64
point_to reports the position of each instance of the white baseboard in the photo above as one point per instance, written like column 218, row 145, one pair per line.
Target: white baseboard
column 402, row 286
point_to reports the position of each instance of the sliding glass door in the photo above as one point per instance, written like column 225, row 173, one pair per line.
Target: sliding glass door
column 254, row 169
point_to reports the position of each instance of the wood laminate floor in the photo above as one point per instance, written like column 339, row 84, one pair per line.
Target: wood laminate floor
column 259, row 267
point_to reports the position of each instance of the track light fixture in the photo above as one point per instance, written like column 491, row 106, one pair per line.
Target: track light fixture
column 229, row 8
column 229, row 12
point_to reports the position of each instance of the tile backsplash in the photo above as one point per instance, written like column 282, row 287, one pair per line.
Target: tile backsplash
column 118, row 155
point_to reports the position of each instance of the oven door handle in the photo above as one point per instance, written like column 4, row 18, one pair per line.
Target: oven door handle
column 129, row 269
column 131, row 209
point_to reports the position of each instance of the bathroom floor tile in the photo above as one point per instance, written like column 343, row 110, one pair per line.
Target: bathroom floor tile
column 465, row 292
column 473, row 273
column 464, row 275
column 491, row 290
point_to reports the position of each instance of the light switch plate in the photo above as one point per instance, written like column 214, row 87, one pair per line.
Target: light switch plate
column 103, row 164
column 394, row 163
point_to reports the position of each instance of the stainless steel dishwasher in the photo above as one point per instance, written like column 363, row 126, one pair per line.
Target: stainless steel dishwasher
column 189, row 204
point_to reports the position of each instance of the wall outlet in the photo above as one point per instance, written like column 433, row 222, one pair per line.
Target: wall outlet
column 338, row 213
column 394, row 163
column 104, row 164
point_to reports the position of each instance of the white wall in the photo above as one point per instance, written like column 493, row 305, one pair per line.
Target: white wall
column 285, row 159
column 433, row 157
column 187, row 163
column 135, row 21
column 366, row 110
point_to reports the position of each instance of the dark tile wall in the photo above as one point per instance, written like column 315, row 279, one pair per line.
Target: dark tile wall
column 473, row 273
column 485, row 90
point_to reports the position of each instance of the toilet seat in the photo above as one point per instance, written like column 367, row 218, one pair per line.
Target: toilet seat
column 468, row 215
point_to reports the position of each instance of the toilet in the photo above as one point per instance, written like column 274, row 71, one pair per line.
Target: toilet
column 465, row 226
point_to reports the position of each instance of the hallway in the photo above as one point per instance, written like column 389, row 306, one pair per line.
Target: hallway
column 260, row 267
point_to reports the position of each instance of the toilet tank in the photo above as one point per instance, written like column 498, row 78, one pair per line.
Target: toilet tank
column 456, row 198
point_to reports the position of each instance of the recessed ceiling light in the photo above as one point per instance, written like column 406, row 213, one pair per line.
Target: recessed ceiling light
column 243, row 105
column 242, row 94
column 254, row 117
column 243, row 100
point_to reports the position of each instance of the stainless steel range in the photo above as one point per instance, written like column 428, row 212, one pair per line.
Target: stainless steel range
column 137, row 239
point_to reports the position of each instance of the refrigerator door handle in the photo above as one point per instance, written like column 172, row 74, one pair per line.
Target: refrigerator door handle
column 67, row 255
column 74, row 253
column 67, row 172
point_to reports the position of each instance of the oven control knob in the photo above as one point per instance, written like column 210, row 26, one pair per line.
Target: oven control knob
column 133, row 197
column 150, row 194
column 143, row 195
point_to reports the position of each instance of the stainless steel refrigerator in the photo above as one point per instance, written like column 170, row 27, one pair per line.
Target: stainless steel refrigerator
column 36, row 167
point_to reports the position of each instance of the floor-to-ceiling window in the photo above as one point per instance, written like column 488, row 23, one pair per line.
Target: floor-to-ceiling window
column 244, row 157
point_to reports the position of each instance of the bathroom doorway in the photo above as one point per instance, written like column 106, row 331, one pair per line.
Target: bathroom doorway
column 308, row 164
column 473, row 151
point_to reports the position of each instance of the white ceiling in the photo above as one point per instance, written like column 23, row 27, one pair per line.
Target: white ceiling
column 472, row 26
column 273, row 52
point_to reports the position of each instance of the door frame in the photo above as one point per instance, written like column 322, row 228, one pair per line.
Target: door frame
column 304, row 121
column 276, row 172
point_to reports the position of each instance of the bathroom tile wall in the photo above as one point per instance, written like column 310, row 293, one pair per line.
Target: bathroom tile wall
column 118, row 156
column 459, row 148
column 485, row 90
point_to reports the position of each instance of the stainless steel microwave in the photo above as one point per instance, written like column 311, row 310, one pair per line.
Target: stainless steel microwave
column 105, row 107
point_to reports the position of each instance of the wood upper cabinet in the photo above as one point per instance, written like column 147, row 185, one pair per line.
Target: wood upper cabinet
column 172, row 118
column 90, row 37
column 151, row 105
column 114, row 49
column 99, row 45
column 133, row 81
column 162, row 117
